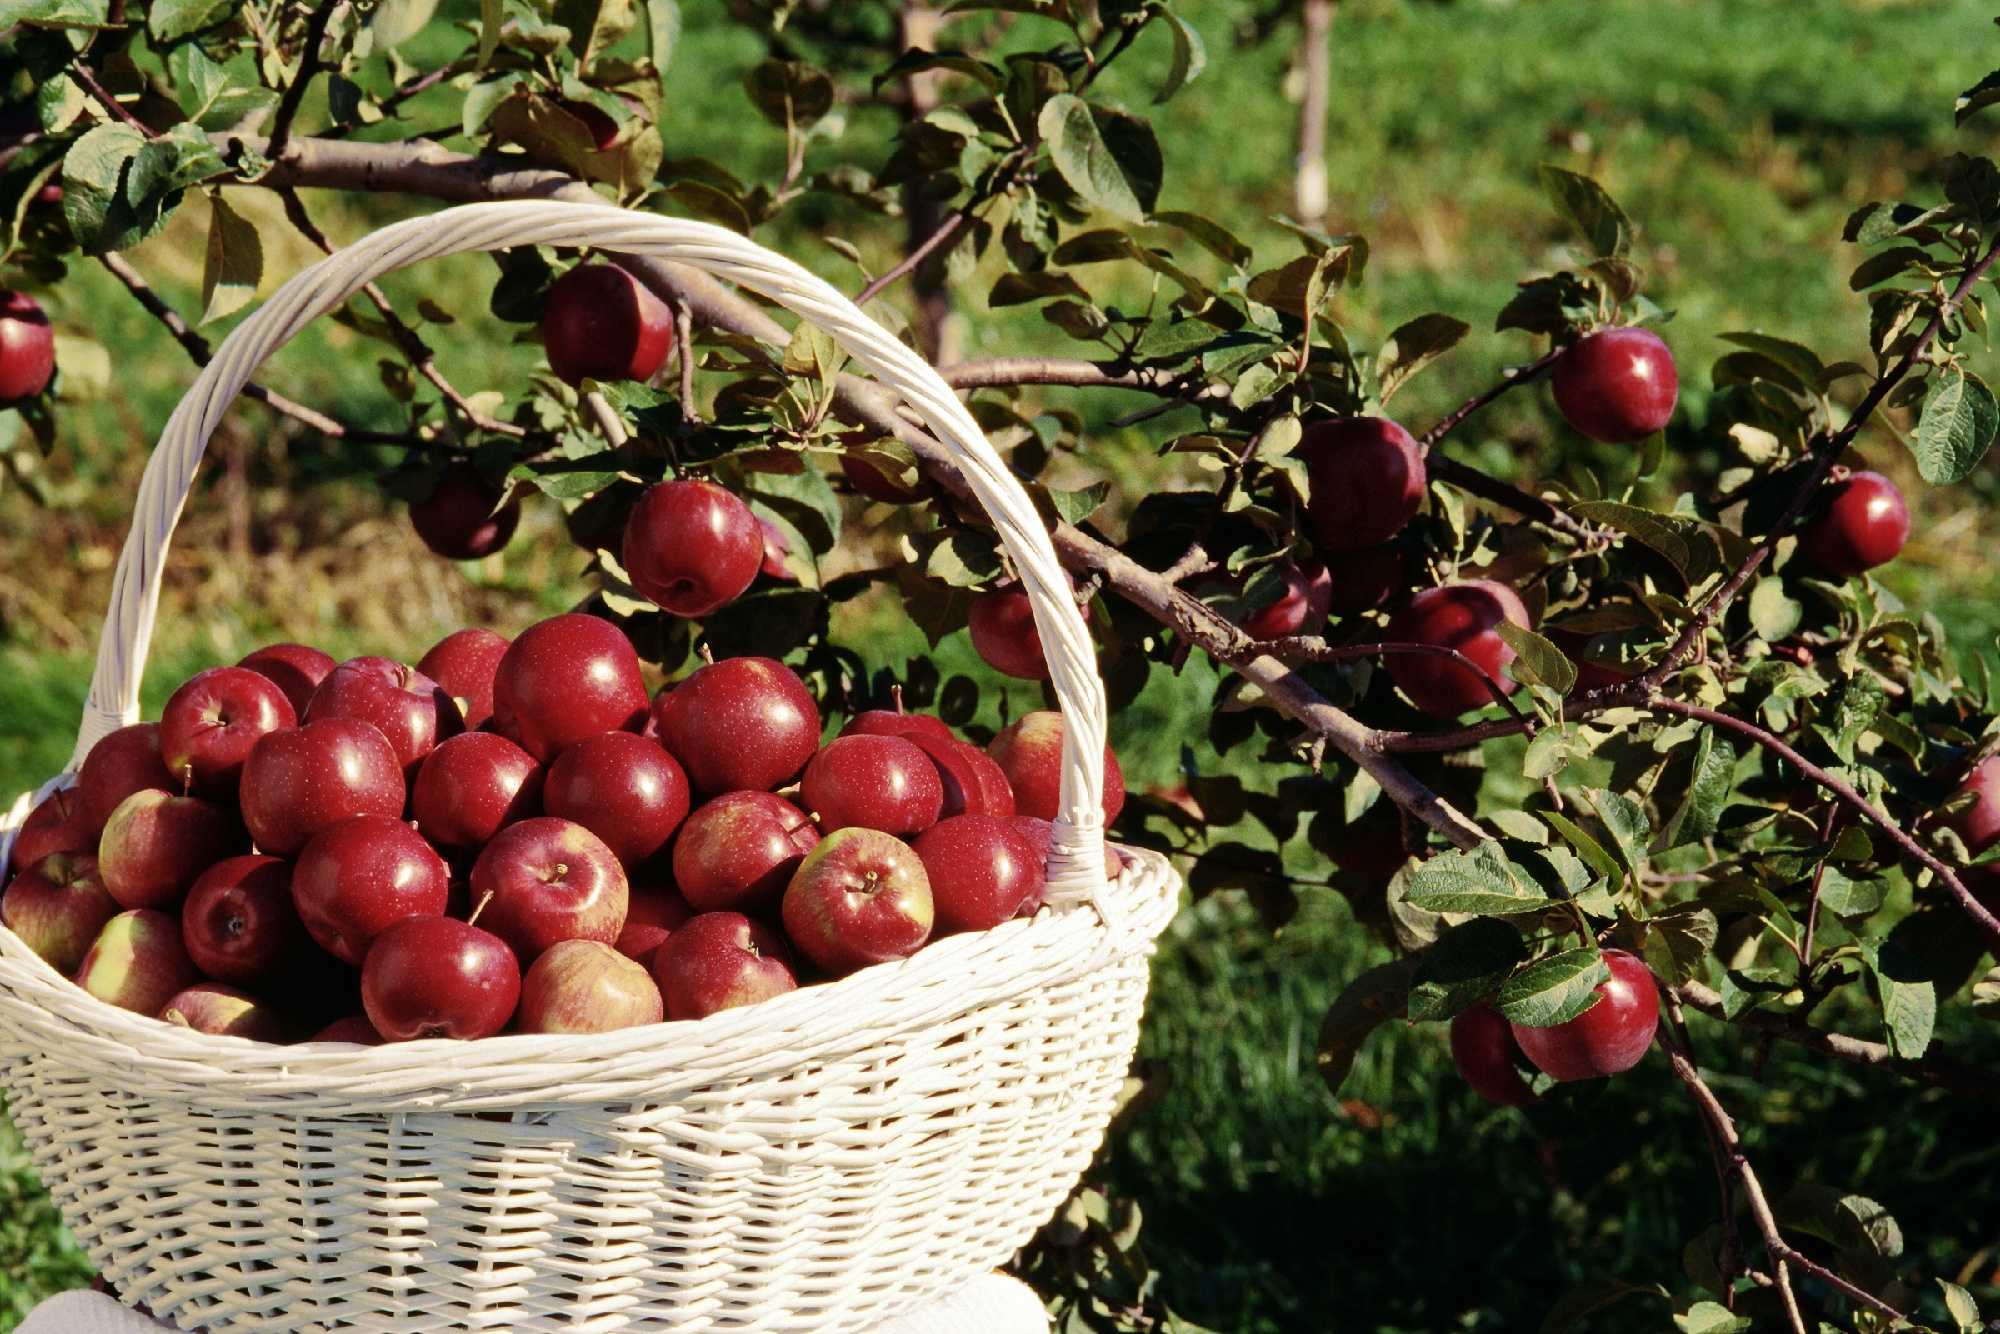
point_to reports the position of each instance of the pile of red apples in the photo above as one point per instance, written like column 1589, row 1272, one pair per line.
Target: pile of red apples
column 512, row 837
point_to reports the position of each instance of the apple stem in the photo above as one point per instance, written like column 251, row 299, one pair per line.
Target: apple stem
column 707, row 657
column 896, row 697
column 479, row 908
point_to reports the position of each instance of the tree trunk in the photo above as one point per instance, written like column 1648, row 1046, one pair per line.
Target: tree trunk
column 1309, row 194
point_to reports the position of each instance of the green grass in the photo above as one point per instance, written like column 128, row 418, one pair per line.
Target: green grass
column 1738, row 133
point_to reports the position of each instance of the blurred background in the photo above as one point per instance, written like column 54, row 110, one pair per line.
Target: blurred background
column 1737, row 133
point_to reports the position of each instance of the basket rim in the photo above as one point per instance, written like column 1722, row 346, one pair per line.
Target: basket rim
column 45, row 1011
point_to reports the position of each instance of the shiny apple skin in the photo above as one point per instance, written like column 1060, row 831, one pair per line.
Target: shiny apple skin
column 1607, row 1039
column 137, row 962
column 354, row 1030
column 1617, row 386
column 466, row 517
column 982, row 872
column 565, row 679
column 1862, row 522
column 239, row 924
column 974, row 783
column 877, row 782
column 360, row 877
column 1367, row 479
column 403, row 704
column 691, row 547
column 57, row 824
column 624, row 788
column 652, row 914
column 463, row 664
column 57, row 907
column 27, row 348
column 156, row 844
column 1361, row 580
column 225, row 1011
column 894, row 722
column 126, row 761
column 586, row 986
column 297, row 783
column 860, row 897
column 1029, row 753
column 1484, row 1050
column 1002, row 625
column 1463, row 617
column 601, row 323
column 739, row 725
column 1304, row 598
column 438, row 977
column 737, row 852
column 472, row 787
column 296, row 669
column 210, row 724
column 721, row 960
column 547, row 880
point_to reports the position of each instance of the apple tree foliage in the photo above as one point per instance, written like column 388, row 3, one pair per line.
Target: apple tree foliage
column 1756, row 797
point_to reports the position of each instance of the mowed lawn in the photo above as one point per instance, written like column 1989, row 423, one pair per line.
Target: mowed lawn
column 1738, row 133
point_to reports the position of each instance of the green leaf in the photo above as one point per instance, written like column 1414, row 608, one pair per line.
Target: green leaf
column 96, row 171
column 492, row 13
column 663, row 35
column 1553, row 990
column 1708, row 792
column 1795, row 357
column 1588, row 848
column 1477, row 880
column 1844, row 897
column 1464, row 967
column 1678, row 941
column 397, row 21
column 1625, row 820
column 806, row 498
column 56, row 13
column 1014, row 289
column 565, row 484
column 1076, row 506
column 595, row 25
column 963, row 560
column 1773, row 613
column 1537, row 662
column 789, row 93
column 171, row 20
column 1957, row 1301
column 234, row 263
column 1956, row 428
column 1413, row 346
column 1368, row 1002
column 1712, row 1318
column 1077, row 147
column 1210, row 235
column 1909, row 1010
column 1598, row 220
column 1171, row 341
column 1591, row 1296
column 1190, row 57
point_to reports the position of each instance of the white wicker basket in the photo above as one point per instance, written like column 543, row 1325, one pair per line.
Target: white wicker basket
column 821, row 1161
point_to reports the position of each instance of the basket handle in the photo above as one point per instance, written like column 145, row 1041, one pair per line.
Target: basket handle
column 1077, row 866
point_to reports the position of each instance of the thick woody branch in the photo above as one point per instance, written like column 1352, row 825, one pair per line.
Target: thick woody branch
column 426, row 169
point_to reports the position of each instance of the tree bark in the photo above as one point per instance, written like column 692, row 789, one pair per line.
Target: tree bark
column 1310, row 194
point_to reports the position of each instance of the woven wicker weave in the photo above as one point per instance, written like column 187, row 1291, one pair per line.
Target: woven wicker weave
column 821, row 1161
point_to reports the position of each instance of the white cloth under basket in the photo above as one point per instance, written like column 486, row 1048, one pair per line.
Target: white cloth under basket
column 822, row 1161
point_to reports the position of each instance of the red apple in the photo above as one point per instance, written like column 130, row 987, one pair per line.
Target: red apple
column 982, row 871
column 360, row 877
column 466, row 516
column 126, row 761
column 156, row 844
column 137, row 962
column 871, row 480
column 56, row 825
column 1590, row 673
column 299, row 782
column 1367, row 480
column 565, row 679
column 739, row 725
column 293, row 668
column 1029, row 753
column 652, row 913
column 1367, row 578
column 1461, row 617
column 354, row 1029
column 601, row 323
column 776, row 548
column 406, row 706
column 878, row 782
column 210, row 724
column 27, row 347
column 1303, row 600
column 239, row 924
column 861, row 897
column 438, row 977
column 1861, row 523
column 623, row 788
column 547, row 880
column 1003, row 633
column 471, row 787
column 1488, row 1058
column 738, row 852
column 585, row 986
column 718, row 961
column 463, row 664
column 895, row 722
column 1617, row 385
column 57, row 907
column 973, row 782
column 1609, row 1037
column 210, row 1007
column 691, row 547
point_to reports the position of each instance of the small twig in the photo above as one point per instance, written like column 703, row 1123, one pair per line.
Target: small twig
column 1513, row 377
column 1732, row 1241
column 1195, row 560
column 295, row 91
column 198, row 351
column 607, row 420
column 946, row 230
column 403, row 94
column 1828, row 829
column 102, row 96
